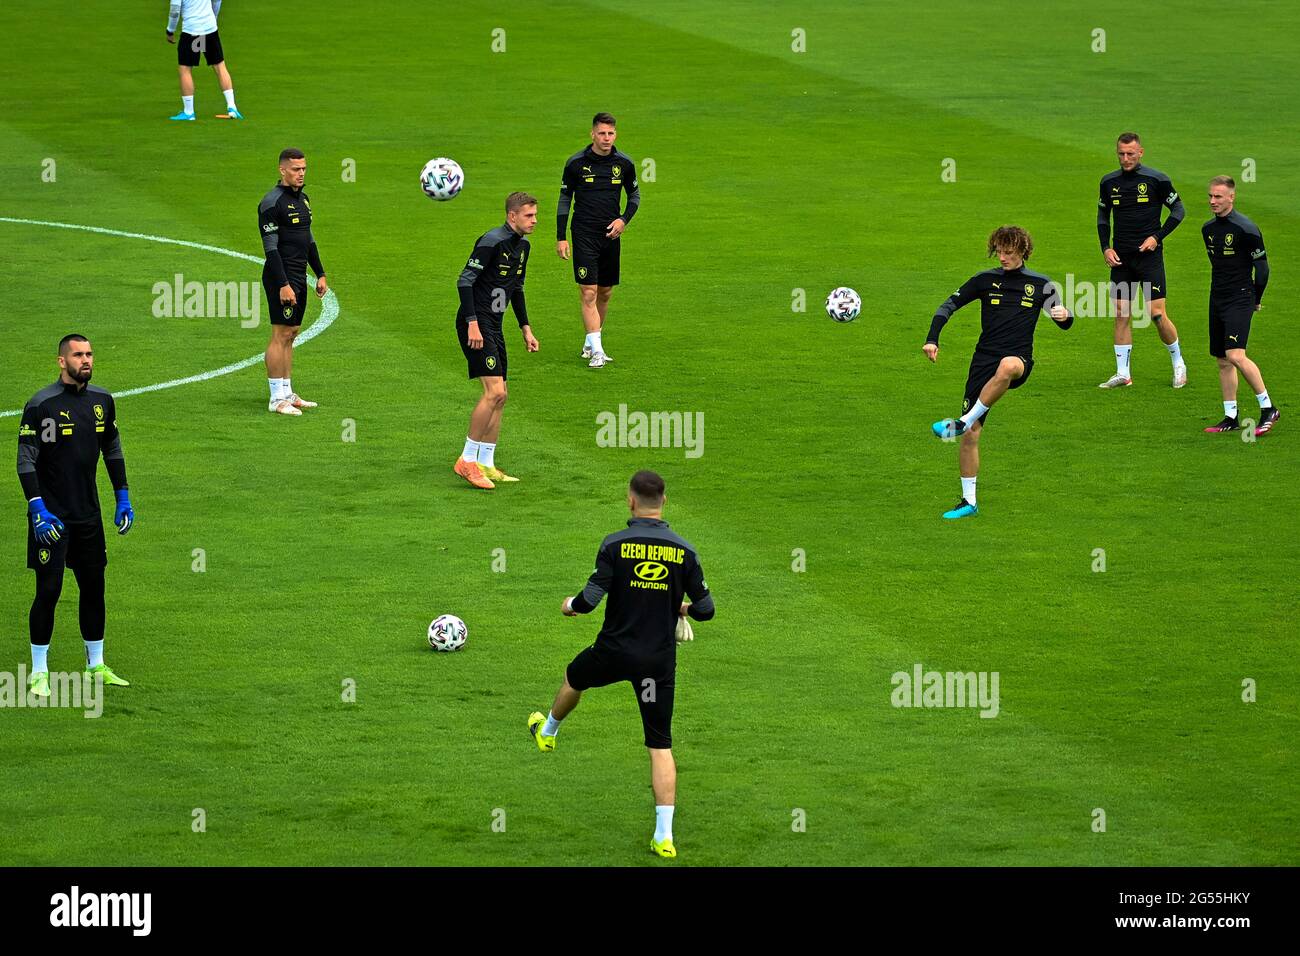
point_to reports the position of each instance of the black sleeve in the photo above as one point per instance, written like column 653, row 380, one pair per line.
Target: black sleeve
column 567, row 183
column 968, row 293
column 313, row 256
column 517, row 297
column 1103, row 219
column 597, row 585
column 268, row 223
column 29, row 449
column 1051, row 299
column 701, row 607
column 481, row 258
column 110, row 443
column 633, row 194
column 1174, row 203
column 1259, row 259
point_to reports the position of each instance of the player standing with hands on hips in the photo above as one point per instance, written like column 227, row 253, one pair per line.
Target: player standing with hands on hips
column 284, row 218
column 64, row 429
column 592, row 181
column 1238, row 275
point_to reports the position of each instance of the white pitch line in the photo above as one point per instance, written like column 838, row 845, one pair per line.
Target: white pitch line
column 329, row 306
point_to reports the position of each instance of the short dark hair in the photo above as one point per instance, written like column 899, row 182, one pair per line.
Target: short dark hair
column 73, row 337
column 603, row 118
column 1129, row 137
column 1013, row 239
column 1224, row 181
column 518, row 201
column 648, row 488
column 291, row 153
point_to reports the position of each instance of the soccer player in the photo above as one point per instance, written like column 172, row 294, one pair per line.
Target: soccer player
column 284, row 217
column 1236, row 250
column 492, row 278
column 64, row 429
column 592, row 181
column 199, row 36
column 1011, row 298
column 645, row 569
column 1136, row 194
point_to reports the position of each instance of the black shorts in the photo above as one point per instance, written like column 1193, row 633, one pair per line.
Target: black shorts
column 491, row 358
column 1144, row 270
column 982, row 368
column 595, row 260
column 80, row 545
column 283, row 313
column 1230, row 317
column 652, row 680
column 188, row 48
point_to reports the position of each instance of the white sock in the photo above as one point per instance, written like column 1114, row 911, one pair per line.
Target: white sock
column 274, row 384
column 230, row 98
column 471, row 450
column 187, row 104
column 1175, row 353
column 1121, row 360
column 976, row 410
column 288, row 387
column 968, row 490
column 487, row 454
column 1263, row 399
column 551, row 727
column 39, row 653
column 586, row 342
column 1230, row 409
column 94, row 653
column 663, row 823
column 596, row 347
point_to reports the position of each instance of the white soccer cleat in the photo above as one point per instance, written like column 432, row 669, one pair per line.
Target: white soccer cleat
column 598, row 360
column 586, row 351
column 1180, row 375
column 283, row 407
column 1116, row 381
column 298, row 402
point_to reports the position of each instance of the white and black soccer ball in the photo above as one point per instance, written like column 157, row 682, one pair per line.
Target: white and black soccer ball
column 448, row 633
column 442, row 179
column 843, row 304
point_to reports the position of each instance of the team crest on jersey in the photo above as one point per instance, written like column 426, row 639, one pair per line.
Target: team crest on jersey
column 582, row 272
column 491, row 361
column 99, row 412
column 1142, row 188
column 43, row 555
column 1029, row 289
column 616, row 171
column 1227, row 240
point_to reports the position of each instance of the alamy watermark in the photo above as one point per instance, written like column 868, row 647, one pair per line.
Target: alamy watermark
column 922, row 688
column 208, row 300
column 624, row 429
column 71, row 690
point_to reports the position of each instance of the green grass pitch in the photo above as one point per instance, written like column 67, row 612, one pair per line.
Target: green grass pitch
column 774, row 171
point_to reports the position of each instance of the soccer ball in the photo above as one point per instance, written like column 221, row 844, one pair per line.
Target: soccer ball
column 843, row 304
column 448, row 633
column 442, row 179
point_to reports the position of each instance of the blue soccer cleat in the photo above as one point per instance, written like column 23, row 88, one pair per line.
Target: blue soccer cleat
column 948, row 428
column 183, row 117
column 962, row 509
column 234, row 113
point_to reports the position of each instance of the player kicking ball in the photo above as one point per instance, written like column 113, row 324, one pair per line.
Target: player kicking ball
column 1011, row 298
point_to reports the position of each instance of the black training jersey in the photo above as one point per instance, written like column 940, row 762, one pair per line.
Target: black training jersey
column 63, row 431
column 284, row 218
column 645, row 570
column 494, row 277
column 1136, row 199
column 1010, row 303
column 1236, row 250
column 592, row 183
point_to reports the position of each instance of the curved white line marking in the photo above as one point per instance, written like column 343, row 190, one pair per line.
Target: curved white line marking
column 329, row 306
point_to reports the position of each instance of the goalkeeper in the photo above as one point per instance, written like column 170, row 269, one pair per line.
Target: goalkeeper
column 645, row 569
column 65, row 428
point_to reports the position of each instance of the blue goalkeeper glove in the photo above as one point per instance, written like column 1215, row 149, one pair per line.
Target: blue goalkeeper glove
column 124, row 516
column 47, row 528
